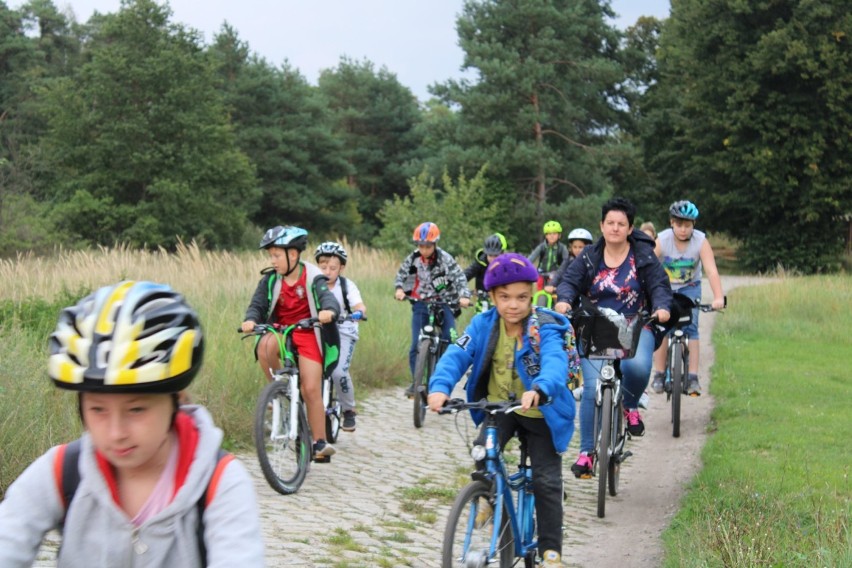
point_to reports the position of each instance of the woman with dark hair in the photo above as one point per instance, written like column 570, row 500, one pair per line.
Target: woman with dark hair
column 619, row 272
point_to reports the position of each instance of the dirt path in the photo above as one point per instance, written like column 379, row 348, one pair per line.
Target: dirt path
column 384, row 498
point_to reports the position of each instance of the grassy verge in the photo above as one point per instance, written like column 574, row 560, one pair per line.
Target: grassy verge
column 774, row 489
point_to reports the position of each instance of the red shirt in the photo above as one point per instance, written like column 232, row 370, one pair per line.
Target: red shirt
column 293, row 303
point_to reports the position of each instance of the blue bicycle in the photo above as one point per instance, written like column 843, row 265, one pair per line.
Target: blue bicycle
column 487, row 524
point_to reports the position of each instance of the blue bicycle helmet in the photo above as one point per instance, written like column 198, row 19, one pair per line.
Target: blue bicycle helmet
column 684, row 210
column 285, row 237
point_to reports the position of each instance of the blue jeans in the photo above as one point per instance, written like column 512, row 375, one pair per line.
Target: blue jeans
column 419, row 318
column 635, row 374
column 691, row 291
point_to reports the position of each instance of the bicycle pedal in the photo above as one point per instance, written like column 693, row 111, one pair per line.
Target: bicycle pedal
column 623, row 456
column 322, row 459
column 695, row 394
column 586, row 476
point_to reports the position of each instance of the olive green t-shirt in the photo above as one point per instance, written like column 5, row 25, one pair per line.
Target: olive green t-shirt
column 504, row 378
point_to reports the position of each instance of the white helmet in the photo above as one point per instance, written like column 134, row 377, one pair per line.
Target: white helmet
column 580, row 234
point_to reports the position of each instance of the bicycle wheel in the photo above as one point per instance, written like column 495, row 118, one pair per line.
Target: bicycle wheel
column 617, row 448
column 283, row 460
column 332, row 413
column 603, row 453
column 423, row 366
column 470, row 527
column 677, row 385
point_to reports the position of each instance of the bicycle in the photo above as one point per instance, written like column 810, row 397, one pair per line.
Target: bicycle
column 430, row 347
column 483, row 301
column 486, row 524
column 600, row 339
column 282, row 435
column 542, row 297
column 677, row 354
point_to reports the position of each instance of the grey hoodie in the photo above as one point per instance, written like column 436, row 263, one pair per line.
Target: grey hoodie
column 99, row 534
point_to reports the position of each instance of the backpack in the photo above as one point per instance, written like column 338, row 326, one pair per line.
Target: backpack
column 67, row 476
column 345, row 293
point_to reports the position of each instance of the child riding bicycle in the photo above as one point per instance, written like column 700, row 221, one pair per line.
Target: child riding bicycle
column 331, row 258
column 132, row 490
column 495, row 245
column 519, row 351
column 429, row 273
column 549, row 255
column 291, row 291
column 684, row 251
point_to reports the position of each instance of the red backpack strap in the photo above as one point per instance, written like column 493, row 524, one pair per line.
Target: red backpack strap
column 58, row 462
column 224, row 459
column 66, row 473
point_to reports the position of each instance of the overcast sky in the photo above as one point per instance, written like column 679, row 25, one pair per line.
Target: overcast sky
column 414, row 39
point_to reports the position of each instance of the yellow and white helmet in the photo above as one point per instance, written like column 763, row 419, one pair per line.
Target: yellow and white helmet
column 132, row 337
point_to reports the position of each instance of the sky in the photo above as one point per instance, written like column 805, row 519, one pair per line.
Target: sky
column 414, row 39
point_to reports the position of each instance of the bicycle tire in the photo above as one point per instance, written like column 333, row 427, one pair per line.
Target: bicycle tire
column 617, row 445
column 422, row 371
column 284, row 462
column 604, row 449
column 677, row 385
column 462, row 528
column 332, row 415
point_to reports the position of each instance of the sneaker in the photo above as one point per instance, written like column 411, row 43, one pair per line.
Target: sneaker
column 323, row 449
column 634, row 423
column 484, row 511
column 693, row 387
column 348, row 421
column 551, row 559
column 657, row 385
column 409, row 392
column 583, row 469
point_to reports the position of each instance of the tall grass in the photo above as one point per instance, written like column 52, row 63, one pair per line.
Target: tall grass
column 34, row 415
column 774, row 489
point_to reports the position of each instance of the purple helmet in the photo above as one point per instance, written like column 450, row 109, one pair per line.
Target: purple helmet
column 507, row 268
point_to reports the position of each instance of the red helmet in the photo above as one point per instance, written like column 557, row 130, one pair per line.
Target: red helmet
column 426, row 234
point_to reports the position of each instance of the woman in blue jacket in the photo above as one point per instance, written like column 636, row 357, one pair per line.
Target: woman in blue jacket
column 620, row 272
column 519, row 351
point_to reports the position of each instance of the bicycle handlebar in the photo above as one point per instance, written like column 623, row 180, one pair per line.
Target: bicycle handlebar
column 307, row 323
column 455, row 405
column 451, row 305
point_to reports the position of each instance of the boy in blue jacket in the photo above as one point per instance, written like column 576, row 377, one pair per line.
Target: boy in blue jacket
column 517, row 350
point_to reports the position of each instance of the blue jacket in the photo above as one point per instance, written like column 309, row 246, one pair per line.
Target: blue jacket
column 545, row 367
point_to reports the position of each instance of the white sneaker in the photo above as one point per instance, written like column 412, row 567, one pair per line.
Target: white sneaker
column 551, row 559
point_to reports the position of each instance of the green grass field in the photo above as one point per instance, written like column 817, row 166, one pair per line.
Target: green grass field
column 774, row 489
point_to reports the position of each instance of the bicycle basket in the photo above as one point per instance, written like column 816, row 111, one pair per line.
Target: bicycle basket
column 606, row 337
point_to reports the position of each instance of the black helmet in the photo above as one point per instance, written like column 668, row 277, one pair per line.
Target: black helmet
column 495, row 244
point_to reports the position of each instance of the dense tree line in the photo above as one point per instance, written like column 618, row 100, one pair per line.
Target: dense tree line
column 128, row 128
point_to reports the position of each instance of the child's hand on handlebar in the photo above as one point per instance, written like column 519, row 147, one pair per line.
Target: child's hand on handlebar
column 248, row 326
column 464, row 302
column 325, row 316
column 436, row 401
column 529, row 399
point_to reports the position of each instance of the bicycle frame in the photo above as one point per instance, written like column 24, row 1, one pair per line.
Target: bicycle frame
column 520, row 513
column 510, row 516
